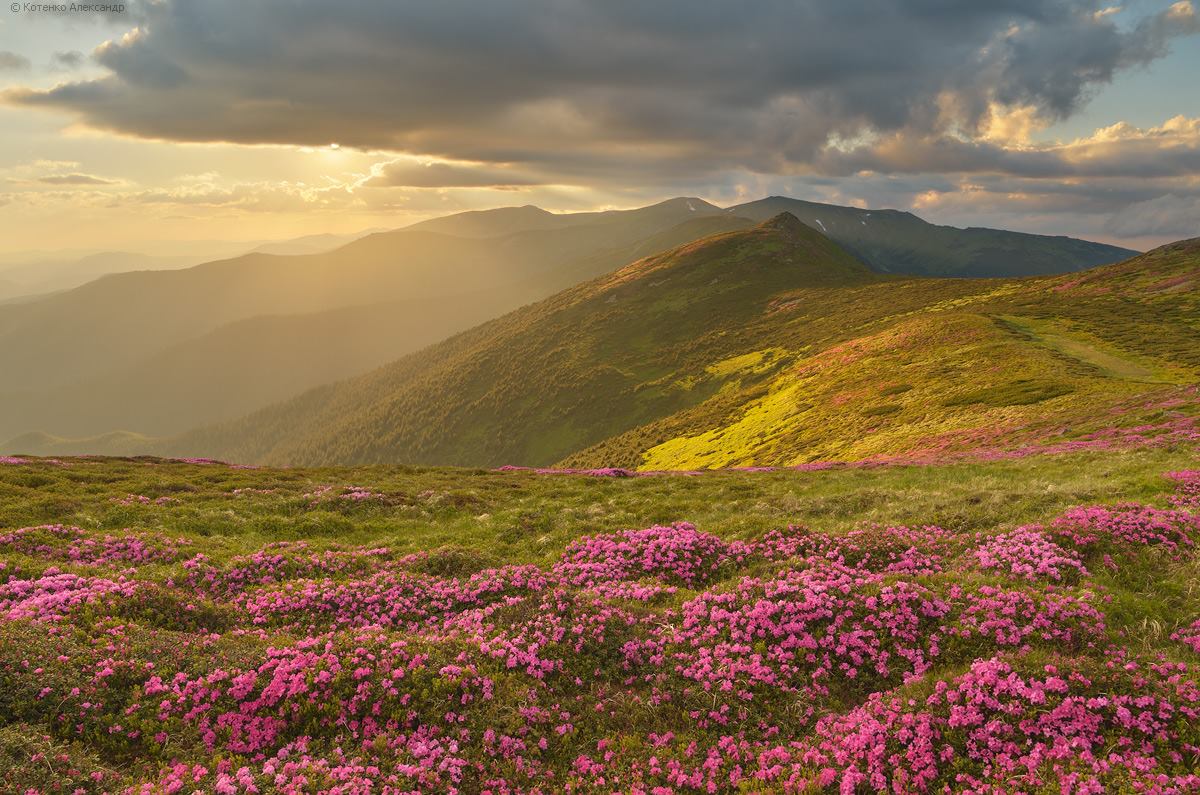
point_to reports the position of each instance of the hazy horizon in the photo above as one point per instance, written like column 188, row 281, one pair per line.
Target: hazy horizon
column 153, row 123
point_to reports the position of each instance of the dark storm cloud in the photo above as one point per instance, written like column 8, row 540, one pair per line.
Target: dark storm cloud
column 575, row 85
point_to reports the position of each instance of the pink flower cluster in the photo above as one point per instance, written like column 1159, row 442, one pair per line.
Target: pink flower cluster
column 1099, row 527
column 890, row 550
column 1064, row 727
column 1187, row 489
column 71, row 544
column 1189, row 636
column 352, row 494
column 1028, row 553
column 277, row 562
column 678, row 553
column 53, row 595
column 391, row 598
column 141, row 499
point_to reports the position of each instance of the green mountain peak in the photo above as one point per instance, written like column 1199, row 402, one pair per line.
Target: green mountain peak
column 787, row 222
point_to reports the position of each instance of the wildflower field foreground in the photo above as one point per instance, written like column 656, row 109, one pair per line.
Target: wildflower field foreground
column 1020, row 625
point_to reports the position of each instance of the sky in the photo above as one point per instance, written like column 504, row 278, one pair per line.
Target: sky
column 152, row 124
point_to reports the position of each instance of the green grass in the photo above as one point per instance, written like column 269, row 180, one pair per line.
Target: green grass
column 1079, row 347
column 1022, row 392
column 514, row 517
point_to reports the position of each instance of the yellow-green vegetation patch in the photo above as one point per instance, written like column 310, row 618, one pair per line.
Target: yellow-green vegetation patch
column 752, row 362
column 967, row 381
column 733, row 445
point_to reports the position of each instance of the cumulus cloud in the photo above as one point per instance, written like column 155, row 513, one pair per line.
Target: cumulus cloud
column 587, row 84
column 206, row 192
column 1121, row 150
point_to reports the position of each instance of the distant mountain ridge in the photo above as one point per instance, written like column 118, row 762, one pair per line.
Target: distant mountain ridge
column 764, row 346
column 893, row 241
column 158, row 353
column 473, row 398
column 890, row 241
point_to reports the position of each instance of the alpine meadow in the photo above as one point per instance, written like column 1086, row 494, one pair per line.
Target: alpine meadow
column 582, row 396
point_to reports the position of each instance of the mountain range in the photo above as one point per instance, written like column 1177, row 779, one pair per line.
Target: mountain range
column 622, row 328
column 151, row 351
column 771, row 345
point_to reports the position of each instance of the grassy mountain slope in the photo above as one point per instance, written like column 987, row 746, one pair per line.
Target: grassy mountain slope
column 582, row 366
column 161, row 353
column 768, row 346
column 158, row 353
column 997, row 365
column 118, row 319
column 892, row 241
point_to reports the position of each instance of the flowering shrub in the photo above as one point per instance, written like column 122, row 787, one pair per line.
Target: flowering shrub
column 278, row 562
column 1128, row 524
column 679, row 553
column 796, row 633
column 56, row 542
column 1189, row 636
column 53, row 595
column 898, row 549
column 1187, row 489
column 1029, row 554
column 657, row 660
column 1073, row 725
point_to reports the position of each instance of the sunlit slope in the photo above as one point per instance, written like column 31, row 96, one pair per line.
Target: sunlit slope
column 559, row 376
column 159, row 353
column 892, row 241
column 1110, row 354
column 114, row 320
column 766, row 346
